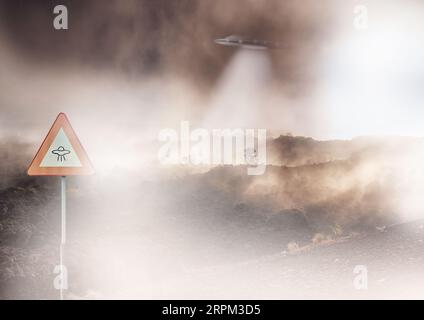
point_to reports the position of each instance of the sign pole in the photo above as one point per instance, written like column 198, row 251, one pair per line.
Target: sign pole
column 61, row 155
column 63, row 232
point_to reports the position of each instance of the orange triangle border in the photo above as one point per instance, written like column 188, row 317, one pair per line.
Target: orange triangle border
column 86, row 168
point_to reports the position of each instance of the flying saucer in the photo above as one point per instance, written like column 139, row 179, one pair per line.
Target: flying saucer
column 248, row 43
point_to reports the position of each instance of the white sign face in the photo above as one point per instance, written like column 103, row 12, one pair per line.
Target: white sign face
column 61, row 153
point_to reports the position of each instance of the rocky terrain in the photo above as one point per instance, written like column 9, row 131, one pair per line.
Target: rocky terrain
column 298, row 231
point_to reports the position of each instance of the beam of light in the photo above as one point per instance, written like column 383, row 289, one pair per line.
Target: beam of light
column 236, row 101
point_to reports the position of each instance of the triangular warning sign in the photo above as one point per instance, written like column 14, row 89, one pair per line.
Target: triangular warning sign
column 61, row 153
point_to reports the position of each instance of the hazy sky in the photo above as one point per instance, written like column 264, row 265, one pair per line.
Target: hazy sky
column 138, row 66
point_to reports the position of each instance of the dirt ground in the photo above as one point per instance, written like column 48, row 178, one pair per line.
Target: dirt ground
column 192, row 248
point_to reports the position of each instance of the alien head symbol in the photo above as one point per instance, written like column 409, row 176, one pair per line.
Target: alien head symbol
column 61, row 152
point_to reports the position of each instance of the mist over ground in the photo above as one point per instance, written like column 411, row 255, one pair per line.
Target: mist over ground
column 170, row 237
column 344, row 178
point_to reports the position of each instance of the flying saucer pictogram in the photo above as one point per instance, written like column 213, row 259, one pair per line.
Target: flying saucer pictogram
column 61, row 152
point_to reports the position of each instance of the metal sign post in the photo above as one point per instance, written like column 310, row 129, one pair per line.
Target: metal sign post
column 63, row 235
column 61, row 154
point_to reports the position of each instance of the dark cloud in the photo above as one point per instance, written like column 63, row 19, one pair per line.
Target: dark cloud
column 140, row 37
